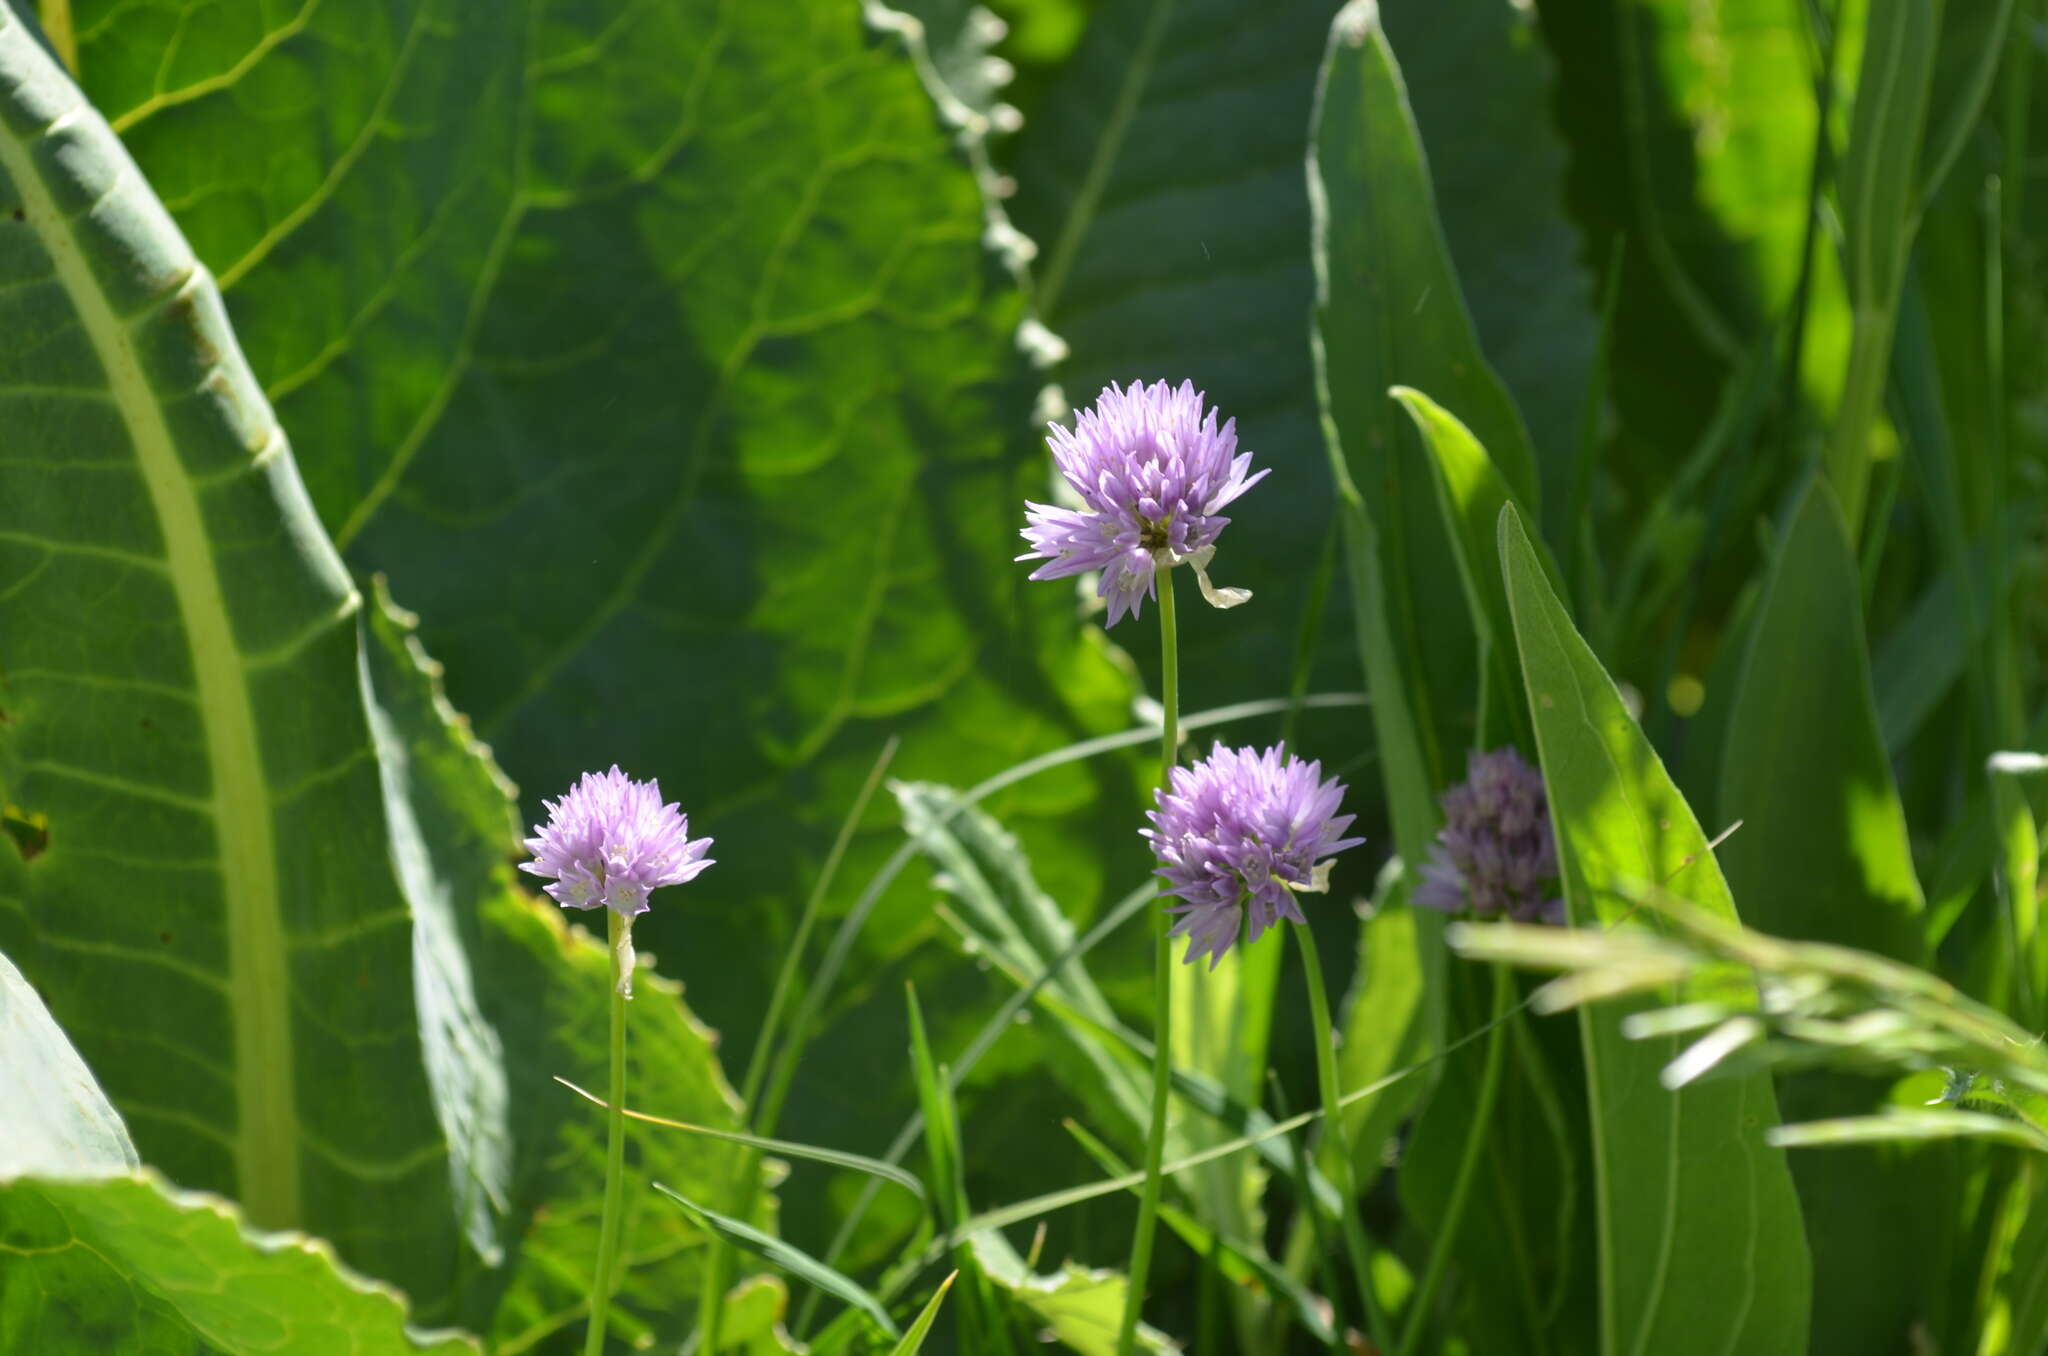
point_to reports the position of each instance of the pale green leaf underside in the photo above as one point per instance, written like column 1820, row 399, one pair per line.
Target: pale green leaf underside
column 59, row 1122
column 129, row 1264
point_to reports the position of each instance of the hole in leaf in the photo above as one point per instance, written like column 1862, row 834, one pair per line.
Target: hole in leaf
column 29, row 833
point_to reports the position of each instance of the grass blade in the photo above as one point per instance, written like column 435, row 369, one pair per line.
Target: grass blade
column 782, row 1148
column 790, row 1258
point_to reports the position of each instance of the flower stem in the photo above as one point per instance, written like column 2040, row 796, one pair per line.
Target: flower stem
column 1461, row 1185
column 1162, row 994
column 1340, row 1143
column 614, row 1153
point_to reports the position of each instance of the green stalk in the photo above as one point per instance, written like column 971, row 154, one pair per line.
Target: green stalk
column 1475, row 1144
column 1333, row 1126
column 761, row 1118
column 1162, row 996
column 614, row 1150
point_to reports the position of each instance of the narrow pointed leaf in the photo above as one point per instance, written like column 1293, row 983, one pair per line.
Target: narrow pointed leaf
column 809, row 1153
column 1823, row 855
column 1701, row 1244
column 914, row 1335
column 791, row 1259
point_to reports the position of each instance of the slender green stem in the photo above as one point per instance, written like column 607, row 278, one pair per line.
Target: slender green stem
column 761, row 1115
column 614, row 1153
column 1333, row 1126
column 1162, row 996
column 1468, row 1164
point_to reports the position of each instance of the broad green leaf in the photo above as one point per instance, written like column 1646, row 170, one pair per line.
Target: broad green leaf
column 104, row 1256
column 752, row 1321
column 1823, row 855
column 543, row 986
column 1701, row 1245
column 184, row 724
column 128, row 1263
column 60, row 1123
column 1919, row 661
column 1498, row 174
column 1080, row 1306
column 793, row 1260
column 656, row 355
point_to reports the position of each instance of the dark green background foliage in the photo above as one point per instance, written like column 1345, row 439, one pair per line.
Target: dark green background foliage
column 673, row 372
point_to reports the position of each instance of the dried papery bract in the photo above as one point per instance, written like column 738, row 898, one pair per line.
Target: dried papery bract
column 608, row 844
column 1152, row 470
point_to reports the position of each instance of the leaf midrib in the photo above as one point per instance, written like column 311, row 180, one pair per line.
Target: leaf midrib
column 267, row 1131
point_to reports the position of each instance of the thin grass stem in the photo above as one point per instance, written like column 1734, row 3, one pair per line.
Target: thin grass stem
column 1468, row 1164
column 1355, row 1245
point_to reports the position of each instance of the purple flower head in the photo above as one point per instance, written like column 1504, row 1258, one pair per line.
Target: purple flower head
column 610, row 842
column 1152, row 471
column 1495, row 854
column 1243, row 829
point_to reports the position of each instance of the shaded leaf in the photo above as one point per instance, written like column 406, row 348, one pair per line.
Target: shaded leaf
column 1388, row 310
column 1823, row 855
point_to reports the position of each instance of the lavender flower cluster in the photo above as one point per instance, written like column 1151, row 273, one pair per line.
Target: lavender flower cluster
column 610, row 842
column 1152, row 471
column 1238, row 835
column 1495, row 854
